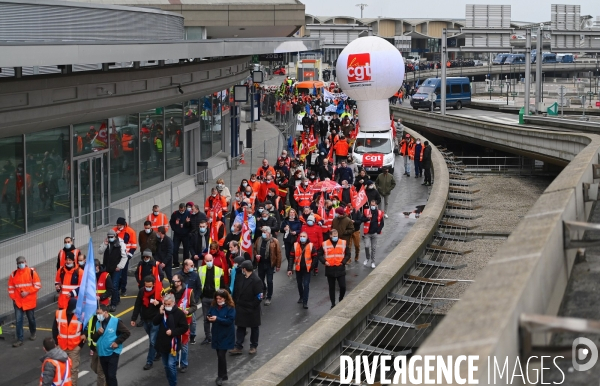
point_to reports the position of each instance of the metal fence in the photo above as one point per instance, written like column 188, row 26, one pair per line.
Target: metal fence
column 501, row 165
column 41, row 247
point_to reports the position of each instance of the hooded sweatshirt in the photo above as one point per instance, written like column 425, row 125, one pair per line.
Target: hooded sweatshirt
column 49, row 369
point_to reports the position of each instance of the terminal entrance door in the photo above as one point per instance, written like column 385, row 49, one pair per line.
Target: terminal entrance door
column 91, row 190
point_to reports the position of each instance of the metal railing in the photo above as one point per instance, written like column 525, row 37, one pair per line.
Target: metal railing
column 41, row 247
column 502, row 165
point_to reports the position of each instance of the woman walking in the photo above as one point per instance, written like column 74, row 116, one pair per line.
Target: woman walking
column 222, row 315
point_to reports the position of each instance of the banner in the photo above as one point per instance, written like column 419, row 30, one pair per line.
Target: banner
column 86, row 302
column 332, row 96
column 246, row 239
column 360, row 199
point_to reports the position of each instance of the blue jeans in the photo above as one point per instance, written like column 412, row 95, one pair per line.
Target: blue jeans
column 19, row 317
column 170, row 363
column 152, row 331
column 193, row 326
column 123, row 282
column 116, row 296
column 406, row 164
column 183, row 353
column 303, row 279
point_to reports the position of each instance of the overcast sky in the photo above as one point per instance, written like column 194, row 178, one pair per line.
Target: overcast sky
column 521, row 10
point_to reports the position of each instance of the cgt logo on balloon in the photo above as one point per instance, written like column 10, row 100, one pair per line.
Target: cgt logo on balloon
column 359, row 68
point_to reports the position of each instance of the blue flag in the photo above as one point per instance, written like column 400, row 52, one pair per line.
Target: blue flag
column 86, row 302
column 314, row 90
column 307, row 109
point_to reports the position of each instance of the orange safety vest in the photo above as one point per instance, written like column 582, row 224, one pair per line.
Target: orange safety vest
column 132, row 244
column 221, row 241
column 367, row 212
column 411, row 150
column 403, row 145
column 334, row 255
column 154, row 271
column 188, row 296
column 303, row 196
column 101, row 287
column 62, row 375
column 158, row 221
column 67, row 284
column 62, row 255
column 307, row 255
column 24, row 280
column 69, row 334
column 125, row 140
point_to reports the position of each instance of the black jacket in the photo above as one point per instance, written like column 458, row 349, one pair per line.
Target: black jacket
column 196, row 244
column 164, row 251
column 192, row 280
column 335, row 271
column 427, row 157
column 325, row 172
column 177, row 323
column 184, row 227
column 271, row 222
column 357, row 218
column 148, row 313
column 247, row 302
column 146, row 270
column 112, row 256
column 372, row 194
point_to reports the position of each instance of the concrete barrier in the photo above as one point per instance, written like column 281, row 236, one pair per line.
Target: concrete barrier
column 294, row 364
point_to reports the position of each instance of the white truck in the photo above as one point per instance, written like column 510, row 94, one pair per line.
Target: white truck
column 375, row 149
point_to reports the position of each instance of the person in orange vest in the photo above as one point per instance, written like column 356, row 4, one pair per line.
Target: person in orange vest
column 334, row 253
column 261, row 172
column 411, row 152
column 127, row 234
column 215, row 198
column 404, row 153
column 327, row 213
column 341, row 149
column 303, row 194
column 67, row 281
column 302, row 260
column 371, row 231
column 158, row 219
column 23, row 286
column 128, row 142
column 67, row 332
column 147, row 267
column 69, row 247
column 104, row 284
column 56, row 365
column 266, row 184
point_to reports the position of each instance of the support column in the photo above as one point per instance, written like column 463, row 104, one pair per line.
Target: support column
column 527, row 69
column 538, row 68
column 443, row 61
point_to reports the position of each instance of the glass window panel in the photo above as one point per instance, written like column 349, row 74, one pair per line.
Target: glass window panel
column 125, row 151
column 48, row 165
column 89, row 137
column 217, row 121
column 191, row 115
column 14, row 186
column 206, row 123
column 152, row 128
column 174, row 159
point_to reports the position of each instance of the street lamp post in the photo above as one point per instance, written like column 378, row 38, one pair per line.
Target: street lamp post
column 507, row 89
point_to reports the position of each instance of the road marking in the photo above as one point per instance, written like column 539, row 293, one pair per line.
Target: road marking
column 124, row 312
column 43, row 329
column 125, row 349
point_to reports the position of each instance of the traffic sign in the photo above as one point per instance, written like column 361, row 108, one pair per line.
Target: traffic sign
column 597, row 104
column 562, row 91
column 553, row 109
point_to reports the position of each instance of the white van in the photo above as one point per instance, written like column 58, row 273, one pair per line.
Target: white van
column 373, row 150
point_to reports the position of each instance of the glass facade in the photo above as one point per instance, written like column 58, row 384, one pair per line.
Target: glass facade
column 83, row 168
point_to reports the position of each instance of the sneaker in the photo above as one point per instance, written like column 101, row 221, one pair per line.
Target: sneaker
column 225, row 377
column 305, row 306
column 252, row 351
column 157, row 357
column 183, row 369
column 192, row 339
column 333, row 305
column 147, row 366
column 299, row 301
column 235, row 351
column 18, row 343
column 366, row 263
column 206, row 341
column 416, row 176
column 32, row 337
column 112, row 308
column 219, row 381
column 385, row 215
column 372, row 265
column 268, row 302
column 123, row 292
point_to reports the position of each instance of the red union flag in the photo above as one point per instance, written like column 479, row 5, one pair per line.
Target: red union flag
column 360, row 199
column 359, row 68
column 373, row 160
column 246, row 235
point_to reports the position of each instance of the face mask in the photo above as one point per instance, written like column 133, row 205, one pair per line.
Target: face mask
column 265, row 217
column 232, row 228
column 202, row 230
column 271, row 194
column 235, row 264
column 310, row 223
column 69, row 265
column 214, row 195
column 302, row 239
column 253, row 180
column 312, row 177
column 244, row 184
column 155, row 213
column 264, row 235
column 220, row 186
column 373, row 207
column 209, row 264
column 221, row 303
column 81, row 263
column 149, row 289
column 147, row 231
column 248, row 194
column 67, row 246
column 100, row 317
column 305, row 184
column 146, row 260
column 238, row 199
column 269, row 181
column 120, row 228
column 189, row 209
column 334, row 238
column 371, row 186
column 168, row 309
column 21, row 265
column 418, row 142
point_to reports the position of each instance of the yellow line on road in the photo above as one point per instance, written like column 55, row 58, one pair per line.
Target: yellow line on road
column 124, row 312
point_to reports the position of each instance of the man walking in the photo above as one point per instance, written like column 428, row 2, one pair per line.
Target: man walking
column 147, row 304
column 23, row 286
column 404, row 148
column 191, row 279
column 172, row 324
column 427, row 164
column 248, row 295
column 303, row 258
column 109, row 337
column 371, row 231
column 357, row 219
column 56, row 365
column 335, row 254
column 67, row 333
column 211, row 279
column 267, row 254
column 180, row 224
column 164, row 252
column 114, row 260
column 385, row 183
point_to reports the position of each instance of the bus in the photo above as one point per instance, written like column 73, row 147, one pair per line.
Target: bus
column 547, row 57
column 458, row 93
column 500, row 58
column 515, row 59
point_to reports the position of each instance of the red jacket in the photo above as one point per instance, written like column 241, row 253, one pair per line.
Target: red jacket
column 314, row 233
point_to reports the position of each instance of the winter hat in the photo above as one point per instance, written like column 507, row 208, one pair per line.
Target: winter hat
column 340, row 211
column 247, row 265
column 239, row 260
column 147, row 252
column 121, row 221
column 111, row 232
column 310, row 218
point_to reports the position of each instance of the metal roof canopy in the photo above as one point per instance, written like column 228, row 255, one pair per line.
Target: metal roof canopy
column 25, row 54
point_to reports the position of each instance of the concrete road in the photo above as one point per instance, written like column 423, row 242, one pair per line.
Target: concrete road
column 282, row 321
